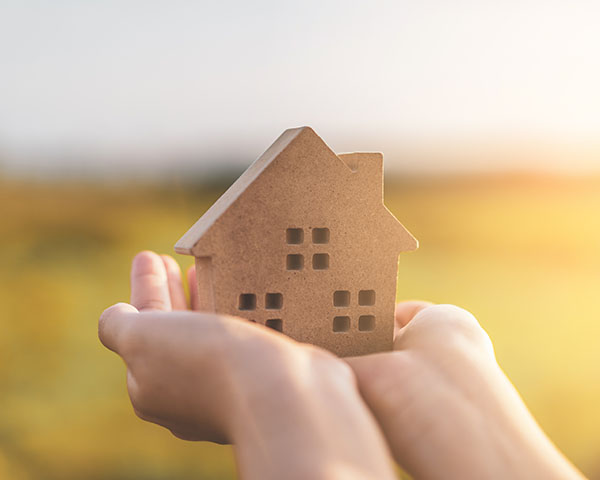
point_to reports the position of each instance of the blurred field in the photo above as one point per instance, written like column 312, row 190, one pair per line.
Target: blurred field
column 523, row 254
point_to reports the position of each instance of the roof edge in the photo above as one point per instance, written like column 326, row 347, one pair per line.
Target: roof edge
column 186, row 244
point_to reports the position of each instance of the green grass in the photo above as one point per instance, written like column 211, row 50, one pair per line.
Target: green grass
column 522, row 254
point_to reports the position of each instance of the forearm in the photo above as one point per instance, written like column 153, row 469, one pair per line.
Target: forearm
column 312, row 427
column 476, row 424
column 528, row 451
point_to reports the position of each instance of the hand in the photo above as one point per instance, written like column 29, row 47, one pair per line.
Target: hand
column 292, row 410
column 445, row 406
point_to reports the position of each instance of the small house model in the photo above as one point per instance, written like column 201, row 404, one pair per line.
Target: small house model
column 303, row 243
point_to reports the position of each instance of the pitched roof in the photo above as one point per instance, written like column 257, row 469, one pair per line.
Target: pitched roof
column 188, row 241
column 191, row 237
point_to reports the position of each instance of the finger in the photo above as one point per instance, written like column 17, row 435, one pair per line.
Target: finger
column 405, row 311
column 441, row 323
column 149, row 284
column 178, row 301
column 113, row 322
column 193, row 285
column 380, row 372
column 363, row 365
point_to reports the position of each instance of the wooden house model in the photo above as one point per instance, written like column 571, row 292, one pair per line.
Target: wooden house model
column 303, row 243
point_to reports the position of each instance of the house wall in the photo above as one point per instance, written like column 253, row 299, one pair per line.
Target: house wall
column 205, row 279
column 254, row 271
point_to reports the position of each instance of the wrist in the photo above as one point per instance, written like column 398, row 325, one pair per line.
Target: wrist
column 307, row 421
column 293, row 396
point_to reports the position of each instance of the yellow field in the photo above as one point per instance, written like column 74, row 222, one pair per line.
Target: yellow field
column 523, row 254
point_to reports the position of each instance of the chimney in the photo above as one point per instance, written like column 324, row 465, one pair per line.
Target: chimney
column 368, row 167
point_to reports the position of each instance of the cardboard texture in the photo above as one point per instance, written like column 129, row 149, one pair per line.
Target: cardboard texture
column 303, row 243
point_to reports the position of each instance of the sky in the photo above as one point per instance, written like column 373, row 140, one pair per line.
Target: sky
column 132, row 84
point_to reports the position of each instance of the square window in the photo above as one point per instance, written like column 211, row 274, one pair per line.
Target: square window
column 366, row 323
column 320, row 261
column 247, row 301
column 273, row 301
column 294, row 236
column 341, row 324
column 275, row 324
column 341, row 298
column 320, row 235
column 295, row 262
column 366, row 297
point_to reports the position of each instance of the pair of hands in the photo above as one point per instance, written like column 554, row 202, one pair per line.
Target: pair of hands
column 438, row 404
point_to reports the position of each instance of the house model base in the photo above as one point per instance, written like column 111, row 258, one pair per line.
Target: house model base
column 303, row 243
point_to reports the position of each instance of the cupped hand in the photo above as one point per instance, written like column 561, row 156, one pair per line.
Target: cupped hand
column 445, row 406
column 291, row 410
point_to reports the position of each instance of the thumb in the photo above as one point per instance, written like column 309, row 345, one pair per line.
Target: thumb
column 405, row 312
column 112, row 323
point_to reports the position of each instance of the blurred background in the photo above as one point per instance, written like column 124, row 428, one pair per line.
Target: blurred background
column 122, row 121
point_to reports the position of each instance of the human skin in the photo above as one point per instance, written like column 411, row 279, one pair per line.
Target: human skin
column 444, row 407
column 290, row 410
